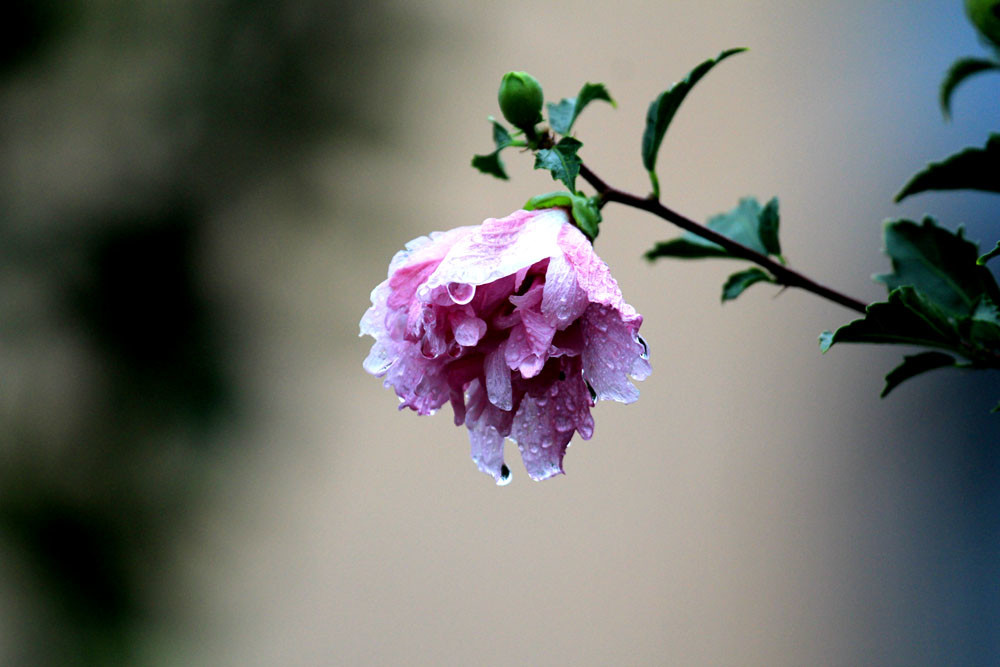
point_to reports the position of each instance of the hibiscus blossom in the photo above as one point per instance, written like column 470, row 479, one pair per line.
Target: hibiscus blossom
column 516, row 322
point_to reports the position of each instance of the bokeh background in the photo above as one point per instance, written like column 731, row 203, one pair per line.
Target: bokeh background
column 197, row 198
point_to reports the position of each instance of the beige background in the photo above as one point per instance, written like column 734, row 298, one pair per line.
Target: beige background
column 759, row 505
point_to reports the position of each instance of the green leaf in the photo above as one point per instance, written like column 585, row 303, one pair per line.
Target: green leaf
column 907, row 318
column 983, row 328
column 767, row 227
column 501, row 137
column 490, row 164
column 585, row 210
column 549, row 200
column 960, row 71
column 562, row 161
column 746, row 224
column 972, row 169
column 915, row 365
column 741, row 280
column 939, row 263
column 662, row 109
column 990, row 255
column 563, row 115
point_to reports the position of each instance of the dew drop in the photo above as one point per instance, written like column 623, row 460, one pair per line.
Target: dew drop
column 546, row 443
column 424, row 293
column 554, row 390
column 534, row 449
column 428, row 316
column 563, row 423
column 505, row 476
column 461, row 293
column 601, row 325
column 610, row 364
column 542, row 400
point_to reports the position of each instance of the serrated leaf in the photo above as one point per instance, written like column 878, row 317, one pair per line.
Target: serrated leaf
column 564, row 114
column 490, row 164
column 562, row 161
column 746, row 224
column 585, row 210
column 972, row 169
column 662, row 109
column 739, row 281
column 915, row 365
column 907, row 318
column 990, row 255
column 960, row 71
column 938, row 262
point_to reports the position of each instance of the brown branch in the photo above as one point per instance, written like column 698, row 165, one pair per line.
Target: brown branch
column 783, row 274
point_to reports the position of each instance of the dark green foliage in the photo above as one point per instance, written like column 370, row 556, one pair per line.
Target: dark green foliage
column 741, row 280
column 990, row 255
column 907, row 318
column 662, row 109
column 748, row 224
column 490, row 163
column 562, row 161
column 915, row 365
column 960, row 71
column 972, row 169
column 939, row 263
column 939, row 297
column 564, row 114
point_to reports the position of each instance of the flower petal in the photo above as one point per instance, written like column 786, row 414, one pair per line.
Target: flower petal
column 611, row 353
column 498, row 386
column 501, row 247
column 563, row 300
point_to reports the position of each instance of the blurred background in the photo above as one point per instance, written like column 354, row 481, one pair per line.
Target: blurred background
column 197, row 198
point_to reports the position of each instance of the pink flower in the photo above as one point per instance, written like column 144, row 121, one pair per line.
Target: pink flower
column 516, row 322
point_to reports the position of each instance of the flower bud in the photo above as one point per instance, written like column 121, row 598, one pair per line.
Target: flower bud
column 520, row 100
column 985, row 15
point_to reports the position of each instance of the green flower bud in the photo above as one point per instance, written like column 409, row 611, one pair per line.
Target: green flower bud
column 521, row 100
column 985, row 15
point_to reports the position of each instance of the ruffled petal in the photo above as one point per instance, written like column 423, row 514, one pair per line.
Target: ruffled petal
column 501, row 247
column 544, row 423
column 592, row 273
column 564, row 300
column 498, row 386
column 488, row 426
column 612, row 353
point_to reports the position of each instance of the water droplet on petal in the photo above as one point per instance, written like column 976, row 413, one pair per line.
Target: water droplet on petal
column 546, row 443
column 610, row 364
column 428, row 316
column 461, row 293
column 554, row 390
column 542, row 400
column 505, row 476
column 424, row 292
column 534, row 449
column 563, row 423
